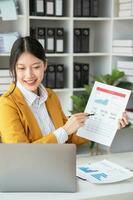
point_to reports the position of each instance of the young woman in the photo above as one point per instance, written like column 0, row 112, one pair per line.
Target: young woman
column 30, row 113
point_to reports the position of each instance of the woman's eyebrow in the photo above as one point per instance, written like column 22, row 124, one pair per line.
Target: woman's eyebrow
column 31, row 64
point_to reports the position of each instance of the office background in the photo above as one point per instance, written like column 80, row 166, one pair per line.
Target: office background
column 82, row 38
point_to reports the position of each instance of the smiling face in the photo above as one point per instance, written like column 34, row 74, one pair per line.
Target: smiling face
column 30, row 71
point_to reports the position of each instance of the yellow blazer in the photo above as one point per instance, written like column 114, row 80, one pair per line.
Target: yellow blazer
column 18, row 124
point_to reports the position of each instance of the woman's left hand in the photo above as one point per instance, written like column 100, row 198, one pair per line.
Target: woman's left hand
column 123, row 121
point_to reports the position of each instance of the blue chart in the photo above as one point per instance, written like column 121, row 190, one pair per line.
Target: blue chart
column 87, row 169
column 102, row 101
column 99, row 176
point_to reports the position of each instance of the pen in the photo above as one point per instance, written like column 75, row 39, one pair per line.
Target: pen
column 90, row 114
column 87, row 114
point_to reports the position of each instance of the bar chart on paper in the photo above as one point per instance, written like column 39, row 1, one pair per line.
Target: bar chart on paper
column 108, row 103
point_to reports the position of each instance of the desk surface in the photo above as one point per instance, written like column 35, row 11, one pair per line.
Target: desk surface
column 86, row 190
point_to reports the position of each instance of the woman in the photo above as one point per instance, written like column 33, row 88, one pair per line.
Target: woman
column 30, row 113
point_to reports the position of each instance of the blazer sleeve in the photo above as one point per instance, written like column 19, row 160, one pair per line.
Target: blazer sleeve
column 72, row 138
column 12, row 129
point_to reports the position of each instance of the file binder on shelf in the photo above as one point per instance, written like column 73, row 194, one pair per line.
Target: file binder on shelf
column 33, row 32
column 59, row 8
column 41, row 36
column 85, row 75
column 59, row 76
column 94, row 8
column 85, row 8
column 85, row 41
column 77, row 40
column 50, row 44
column 39, row 7
column 50, row 7
column 51, row 76
column 77, row 8
column 59, row 40
column 77, row 75
column 32, row 7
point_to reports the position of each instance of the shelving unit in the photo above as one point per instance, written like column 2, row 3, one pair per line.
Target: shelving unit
column 103, row 30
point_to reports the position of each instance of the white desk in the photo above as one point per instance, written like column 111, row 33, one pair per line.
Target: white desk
column 86, row 190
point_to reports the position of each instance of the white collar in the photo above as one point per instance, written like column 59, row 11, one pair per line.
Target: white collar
column 30, row 96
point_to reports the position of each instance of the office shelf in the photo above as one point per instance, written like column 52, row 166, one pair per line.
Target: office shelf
column 103, row 30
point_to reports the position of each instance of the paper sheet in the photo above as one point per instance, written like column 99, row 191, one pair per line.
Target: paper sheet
column 103, row 172
column 108, row 103
column 8, row 10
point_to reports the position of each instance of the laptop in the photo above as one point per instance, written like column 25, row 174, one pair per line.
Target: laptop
column 37, row 168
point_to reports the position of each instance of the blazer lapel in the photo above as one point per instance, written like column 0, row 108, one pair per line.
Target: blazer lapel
column 26, row 111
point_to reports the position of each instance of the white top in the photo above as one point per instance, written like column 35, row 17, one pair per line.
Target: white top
column 38, row 107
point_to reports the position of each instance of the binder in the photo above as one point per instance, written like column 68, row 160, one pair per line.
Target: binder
column 77, row 8
column 59, row 76
column 39, row 8
column 51, row 76
column 85, row 40
column 33, row 32
column 94, row 8
column 50, row 7
column 77, row 40
column 85, row 74
column 77, row 75
column 50, row 44
column 44, row 81
column 85, row 8
column 59, row 40
column 59, row 8
column 41, row 36
column 32, row 7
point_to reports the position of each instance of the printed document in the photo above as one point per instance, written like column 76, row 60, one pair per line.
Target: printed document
column 107, row 103
column 103, row 172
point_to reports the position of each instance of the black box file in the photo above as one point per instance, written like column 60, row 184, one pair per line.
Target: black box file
column 85, row 8
column 59, row 40
column 77, row 75
column 85, row 40
column 41, row 36
column 94, row 8
column 59, row 76
column 59, row 8
column 39, row 7
column 77, row 40
column 50, row 41
column 77, row 8
column 51, row 76
column 85, row 75
column 50, row 7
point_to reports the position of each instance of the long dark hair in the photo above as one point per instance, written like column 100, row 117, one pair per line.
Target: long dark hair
column 21, row 45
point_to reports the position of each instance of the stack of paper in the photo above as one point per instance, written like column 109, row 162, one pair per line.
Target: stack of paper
column 125, row 8
column 7, row 40
column 5, row 80
column 103, row 172
column 8, row 10
column 127, row 68
column 123, row 46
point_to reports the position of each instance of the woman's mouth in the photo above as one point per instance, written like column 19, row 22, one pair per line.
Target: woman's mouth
column 30, row 83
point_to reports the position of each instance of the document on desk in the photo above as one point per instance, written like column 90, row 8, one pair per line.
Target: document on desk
column 107, row 103
column 103, row 172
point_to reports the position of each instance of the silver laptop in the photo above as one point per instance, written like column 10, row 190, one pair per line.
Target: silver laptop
column 37, row 168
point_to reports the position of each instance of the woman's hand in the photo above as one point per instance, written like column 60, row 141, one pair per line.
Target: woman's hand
column 123, row 121
column 75, row 122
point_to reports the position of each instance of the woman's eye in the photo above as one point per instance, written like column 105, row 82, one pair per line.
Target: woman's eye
column 21, row 68
column 36, row 67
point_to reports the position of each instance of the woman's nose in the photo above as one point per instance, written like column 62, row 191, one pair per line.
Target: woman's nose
column 29, row 73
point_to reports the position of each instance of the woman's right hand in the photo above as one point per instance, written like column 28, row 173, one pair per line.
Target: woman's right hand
column 75, row 122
